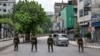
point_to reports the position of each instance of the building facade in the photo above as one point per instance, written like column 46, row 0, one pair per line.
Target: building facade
column 95, row 8
column 67, row 16
column 5, row 9
column 6, row 6
column 84, row 15
column 74, row 2
column 58, row 21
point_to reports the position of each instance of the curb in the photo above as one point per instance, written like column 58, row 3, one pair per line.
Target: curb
column 4, row 47
column 87, row 47
column 6, row 39
column 92, row 48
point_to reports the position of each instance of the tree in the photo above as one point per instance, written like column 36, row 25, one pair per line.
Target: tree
column 29, row 15
column 77, row 32
column 47, row 26
column 88, row 35
column 5, row 19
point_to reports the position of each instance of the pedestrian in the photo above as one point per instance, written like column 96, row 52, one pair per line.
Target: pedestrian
column 34, row 42
column 80, row 44
column 50, row 43
column 16, row 42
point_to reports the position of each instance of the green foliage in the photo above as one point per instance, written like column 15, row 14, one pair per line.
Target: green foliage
column 88, row 35
column 47, row 26
column 77, row 34
column 39, row 30
column 7, row 21
column 77, row 31
column 29, row 15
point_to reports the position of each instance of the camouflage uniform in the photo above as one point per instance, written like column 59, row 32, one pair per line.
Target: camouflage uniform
column 34, row 42
column 50, row 43
column 16, row 42
column 80, row 44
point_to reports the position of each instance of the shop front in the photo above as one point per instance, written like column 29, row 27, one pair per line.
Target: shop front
column 96, row 25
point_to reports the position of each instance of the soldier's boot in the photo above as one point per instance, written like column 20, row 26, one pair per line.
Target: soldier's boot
column 32, row 48
column 82, row 49
column 79, row 48
column 48, row 48
column 17, row 47
column 36, row 48
column 14, row 47
column 52, row 48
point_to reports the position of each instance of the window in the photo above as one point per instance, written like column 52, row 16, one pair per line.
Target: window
column 81, row 13
column 75, row 10
column 4, row 10
column 86, row 11
column 80, row 0
column 4, row 4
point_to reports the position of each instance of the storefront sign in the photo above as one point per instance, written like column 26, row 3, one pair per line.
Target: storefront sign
column 96, row 18
column 96, row 24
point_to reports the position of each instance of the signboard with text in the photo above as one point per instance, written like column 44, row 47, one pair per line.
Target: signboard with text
column 95, row 20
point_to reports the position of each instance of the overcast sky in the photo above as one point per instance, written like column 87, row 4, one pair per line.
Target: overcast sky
column 48, row 5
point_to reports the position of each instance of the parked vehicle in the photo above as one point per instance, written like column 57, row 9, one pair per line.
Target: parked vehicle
column 60, row 39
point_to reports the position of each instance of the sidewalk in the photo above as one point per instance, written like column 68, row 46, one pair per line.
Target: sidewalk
column 5, row 39
column 87, row 45
column 5, row 44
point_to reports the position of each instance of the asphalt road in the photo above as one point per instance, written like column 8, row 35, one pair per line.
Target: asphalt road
column 25, row 50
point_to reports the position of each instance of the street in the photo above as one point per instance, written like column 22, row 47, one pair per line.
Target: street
column 25, row 50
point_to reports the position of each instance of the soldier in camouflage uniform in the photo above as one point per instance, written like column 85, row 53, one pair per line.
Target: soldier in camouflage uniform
column 16, row 42
column 50, row 43
column 80, row 44
column 34, row 42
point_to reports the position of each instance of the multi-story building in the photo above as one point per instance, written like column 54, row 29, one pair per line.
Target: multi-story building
column 57, row 21
column 74, row 2
column 95, row 9
column 67, row 16
column 84, row 15
column 57, row 8
column 5, row 9
column 5, row 6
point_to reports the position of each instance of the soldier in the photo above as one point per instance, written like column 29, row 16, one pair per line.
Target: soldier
column 80, row 44
column 50, row 43
column 16, row 42
column 34, row 42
